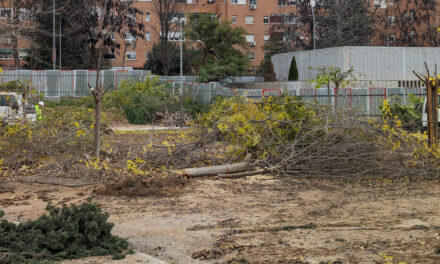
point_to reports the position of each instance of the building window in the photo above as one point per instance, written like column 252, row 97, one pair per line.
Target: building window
column 147, row 36
column 234, row 19
column 147, row 16
column 129, row 38
column 238, row 2
column 282, row 2
column 130, row 55
column 147, row 55
column 266, row 37
column 250, row 55
column 252, row 2
column 5, row 56
column 380, row 3
column 250, row 38
column 24, row 14
column 391, row 39
column 266, row 20
column 413, row 33
column 391, row 20
column 249, row 20
column 175, row 36
column 5, row 13
column 178, row 15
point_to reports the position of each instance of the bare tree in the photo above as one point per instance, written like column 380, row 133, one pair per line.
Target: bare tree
column 106, row 19
column 408, row 23
column 165, row 11
column 345, row 23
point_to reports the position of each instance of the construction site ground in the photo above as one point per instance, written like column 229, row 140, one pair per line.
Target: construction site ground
column 260, row 219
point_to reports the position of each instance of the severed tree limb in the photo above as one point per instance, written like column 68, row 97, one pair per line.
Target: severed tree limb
column 247, row 173
column 220, row 169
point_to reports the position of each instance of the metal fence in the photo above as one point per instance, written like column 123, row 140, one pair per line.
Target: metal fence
column 71, row 83
column 74, row 83
column 365, row 100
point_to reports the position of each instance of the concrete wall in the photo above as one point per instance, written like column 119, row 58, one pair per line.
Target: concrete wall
column 376, row 64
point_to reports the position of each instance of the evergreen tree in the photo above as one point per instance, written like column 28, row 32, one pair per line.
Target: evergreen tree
column 218, row 42
column 293, row 71
column 74, row 47
column 345, row 23
column 266, row 70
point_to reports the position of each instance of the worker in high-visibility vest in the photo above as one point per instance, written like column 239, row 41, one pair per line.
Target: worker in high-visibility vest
column 38, row 110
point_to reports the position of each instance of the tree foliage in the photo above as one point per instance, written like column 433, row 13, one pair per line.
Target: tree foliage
column 410, row 114
column 165, row 11
column 219, row 44
column 156, row 61
column 74, row 48
column 344, row 23
column 64, row 233
column 293, row 70
column 335, row 75
column 266, row 70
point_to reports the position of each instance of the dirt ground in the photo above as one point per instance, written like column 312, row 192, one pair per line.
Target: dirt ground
column 262, row 220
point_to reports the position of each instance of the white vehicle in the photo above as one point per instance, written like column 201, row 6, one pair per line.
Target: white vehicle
column 11, row 109
column 425, row 114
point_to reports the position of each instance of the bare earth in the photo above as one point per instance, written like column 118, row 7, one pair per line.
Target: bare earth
column 262, row 220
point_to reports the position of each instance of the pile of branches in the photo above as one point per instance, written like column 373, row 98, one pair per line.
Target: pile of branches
column 288, row 137
column 65, row 233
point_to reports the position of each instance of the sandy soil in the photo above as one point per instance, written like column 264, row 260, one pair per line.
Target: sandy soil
column 262, row 220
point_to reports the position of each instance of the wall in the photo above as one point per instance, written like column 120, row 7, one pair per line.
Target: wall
column 376, row 64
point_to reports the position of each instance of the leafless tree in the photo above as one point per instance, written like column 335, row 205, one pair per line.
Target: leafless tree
column 408, row 23
column 165, row 11
column 106, row 19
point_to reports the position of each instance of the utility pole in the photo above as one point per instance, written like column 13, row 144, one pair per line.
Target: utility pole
column 60, row 42
column 54, row 54
column 312, row 5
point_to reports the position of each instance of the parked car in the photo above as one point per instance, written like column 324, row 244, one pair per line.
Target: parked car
column 11, row 109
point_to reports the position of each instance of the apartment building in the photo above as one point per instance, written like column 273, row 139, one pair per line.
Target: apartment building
column 255, row 16
column 404, row 24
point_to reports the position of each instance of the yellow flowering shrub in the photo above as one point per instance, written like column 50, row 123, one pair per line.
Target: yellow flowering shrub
column 258, row 126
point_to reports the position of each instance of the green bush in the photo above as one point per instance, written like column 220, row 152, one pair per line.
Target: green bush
column 410, row 115
column 293, row 70
column 65, row 233
column 141, row 101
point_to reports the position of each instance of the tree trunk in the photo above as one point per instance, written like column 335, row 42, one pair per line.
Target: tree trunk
column 15, row 53
column 97, row 132
column 123, row 58
column 23, row 104
column 97, row 94
column 336, row 94
column 329, row 98
column 165, row 57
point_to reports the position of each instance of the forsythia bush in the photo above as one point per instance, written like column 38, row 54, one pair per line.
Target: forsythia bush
column 68, row 134
column 258, row 126
column 399, row 138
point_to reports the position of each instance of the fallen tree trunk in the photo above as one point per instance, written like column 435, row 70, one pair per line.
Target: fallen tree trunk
column 246, row 173
column 220, row 169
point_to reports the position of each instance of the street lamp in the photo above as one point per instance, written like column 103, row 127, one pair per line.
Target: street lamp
column 181, row 21
column 312, row 5
column 54, row 54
